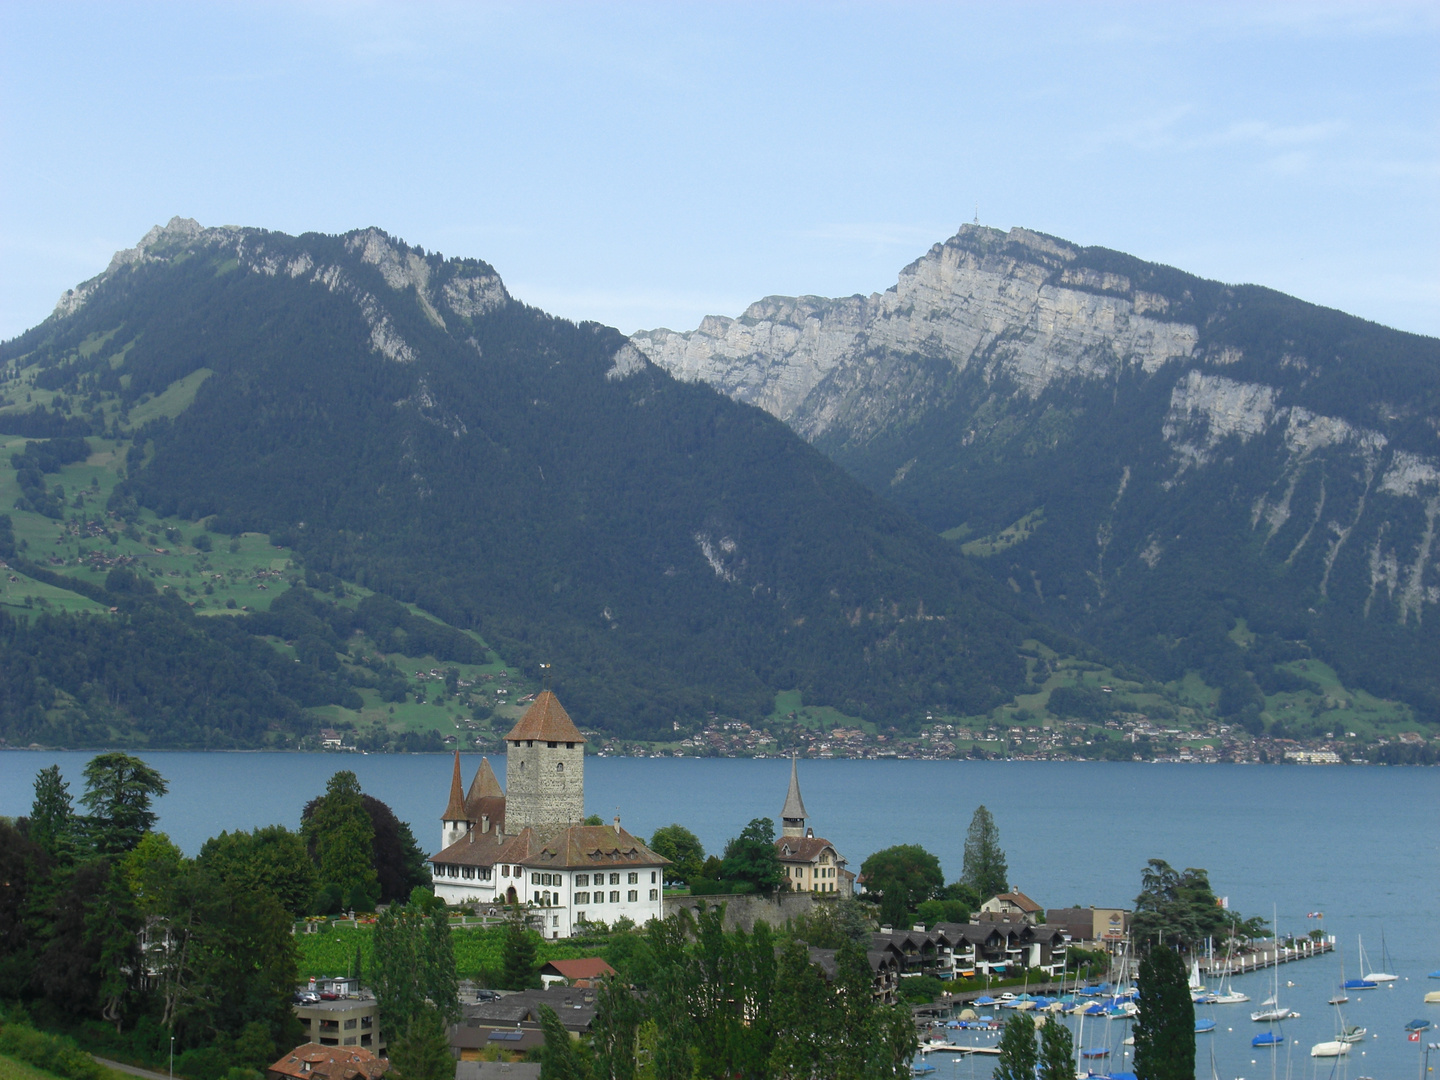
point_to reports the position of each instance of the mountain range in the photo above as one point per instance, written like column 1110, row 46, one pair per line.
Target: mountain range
column 400, row 422
column 1194, row 475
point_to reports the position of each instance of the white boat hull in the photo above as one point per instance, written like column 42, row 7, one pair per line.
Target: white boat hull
column 1330, row 1049
column 1379, row 977
column 1267, row 1015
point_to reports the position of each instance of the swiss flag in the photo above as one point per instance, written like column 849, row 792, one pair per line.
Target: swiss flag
column 1414, row 1036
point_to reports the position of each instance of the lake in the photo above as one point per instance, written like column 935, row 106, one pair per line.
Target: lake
column 1360, row 844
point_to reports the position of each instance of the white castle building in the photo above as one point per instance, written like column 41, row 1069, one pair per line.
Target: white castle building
column 528, row 844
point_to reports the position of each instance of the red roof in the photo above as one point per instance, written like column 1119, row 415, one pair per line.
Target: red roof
column 312, row 1061
column 588, row 967
column 547, row 721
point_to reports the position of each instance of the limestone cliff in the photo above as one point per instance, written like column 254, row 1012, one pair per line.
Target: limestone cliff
column 1159, row 432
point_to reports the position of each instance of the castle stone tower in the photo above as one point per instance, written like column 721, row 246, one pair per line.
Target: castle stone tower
column 544, row 769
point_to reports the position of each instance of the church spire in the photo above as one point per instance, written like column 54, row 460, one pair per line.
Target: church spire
column 455, row 810
column 485, row 785
column 792, row 818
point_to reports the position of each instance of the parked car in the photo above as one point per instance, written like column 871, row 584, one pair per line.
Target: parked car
column 486, row 995
column 306, row 997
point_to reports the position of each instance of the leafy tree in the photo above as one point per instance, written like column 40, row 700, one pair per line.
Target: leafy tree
column 414, row 966
column 684, row 850
column 938, row 911
column 52, row 815
column 672, row 990
column 751, row 858
column 421, row 1050
column 118, row 790
column 271, row 857
column 1057, row 1051
column 618, row 1014
column 904, row 876
column 150, row 871
column 801, row 1013
column 563, row 1058
column 519, row 967
column 341, row 837
column 1165, row 1026
column 1017, row 1058
column 1177, row 909
column 984, row 871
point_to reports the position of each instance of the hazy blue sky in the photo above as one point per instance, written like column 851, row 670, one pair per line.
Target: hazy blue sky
column 647, row 165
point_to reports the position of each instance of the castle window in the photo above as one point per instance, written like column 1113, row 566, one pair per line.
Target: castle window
column 534, row 879
column 529, row 742
column 485, row 873
column 551, row 745
column 569, row 746
column 559, row 766
column 614, row 879
column 614, row 896
column 634, row 878
column 652, row 879
column 582, row 898
column 633, row 895
column 654, row 893
column 504, row 869
column 582, row 879
column 467, row 871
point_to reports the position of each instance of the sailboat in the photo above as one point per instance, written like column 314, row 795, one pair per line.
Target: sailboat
column 1375, row 977
column 1338, row 1046
column 1270, row 1009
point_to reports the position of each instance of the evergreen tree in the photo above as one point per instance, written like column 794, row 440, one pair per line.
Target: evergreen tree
column 118, row 790
column 1165, row 1026
column 1017, row 1058
column 751, row 859
column 1057, row 1051
column 421, row 1051
column 984, row 870
column 52, row 815
column 519, row 967
column 414, row 966
column 671, row 993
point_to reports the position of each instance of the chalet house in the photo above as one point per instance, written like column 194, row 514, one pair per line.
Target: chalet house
column 330, row 739
column 581, row 974
column 964, row 950
column 312, row 1061
column 1011, row 907
column 885, row 967
column 512, row 1023
column 810, row 863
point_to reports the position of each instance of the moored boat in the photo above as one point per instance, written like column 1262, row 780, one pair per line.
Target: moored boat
column 1417, row 1026
column 1352, row 1033
column 1204, row 1026
column 1334, row 1048
column 1267, row 1038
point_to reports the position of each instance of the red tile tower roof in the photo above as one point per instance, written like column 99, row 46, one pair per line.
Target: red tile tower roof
column 455, row 808
column 546, row 720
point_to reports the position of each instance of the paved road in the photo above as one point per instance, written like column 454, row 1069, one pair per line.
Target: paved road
column 131, row 1069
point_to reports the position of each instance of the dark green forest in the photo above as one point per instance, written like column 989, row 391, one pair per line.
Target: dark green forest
column 668, row 551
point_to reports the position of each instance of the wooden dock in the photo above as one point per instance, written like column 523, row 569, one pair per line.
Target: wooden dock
column 1268, row 955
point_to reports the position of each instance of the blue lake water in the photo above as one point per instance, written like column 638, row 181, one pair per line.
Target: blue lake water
column 1361, row 845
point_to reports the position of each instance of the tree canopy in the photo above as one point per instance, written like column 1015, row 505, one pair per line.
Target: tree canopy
column 904, row 876
column 984, row 871
column 1177, row 909
column 1165, row 1025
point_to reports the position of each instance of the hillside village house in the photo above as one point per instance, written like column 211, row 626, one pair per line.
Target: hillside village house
column 527, row 844
column 1011, row 907
column 810, row 863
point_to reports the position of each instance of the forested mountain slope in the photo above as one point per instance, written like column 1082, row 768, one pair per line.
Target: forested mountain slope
column 400, row 422
column 1145, row 456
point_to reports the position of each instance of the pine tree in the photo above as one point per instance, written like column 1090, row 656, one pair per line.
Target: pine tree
column 118, row 790
column 1165, row 1027
column 341, row 836
column 52, row 815
column 612, row 1033
column 1057, row 1051
column 1017, row 1058
column 984, row 870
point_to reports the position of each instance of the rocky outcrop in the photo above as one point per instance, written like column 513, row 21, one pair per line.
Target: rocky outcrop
column 997, row 336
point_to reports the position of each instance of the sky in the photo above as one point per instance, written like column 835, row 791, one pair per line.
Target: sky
column 645, row 165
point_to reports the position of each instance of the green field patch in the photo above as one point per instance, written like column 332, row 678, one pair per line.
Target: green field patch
column 24, row 597
column 170, row 402
column 959, row 532
column 1007, row 537
column 790, row 708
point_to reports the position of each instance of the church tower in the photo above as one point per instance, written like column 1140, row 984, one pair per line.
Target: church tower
column 792, row 818
column 455, row 822
column 544, row 769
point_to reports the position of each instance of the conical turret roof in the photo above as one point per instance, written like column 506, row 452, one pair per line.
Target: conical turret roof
column 455, row 808
column 794, row 805
column 485, row 785
column 546, row 720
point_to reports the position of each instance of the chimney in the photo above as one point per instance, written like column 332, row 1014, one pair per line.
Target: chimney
column 485, row 823
column 617, row 822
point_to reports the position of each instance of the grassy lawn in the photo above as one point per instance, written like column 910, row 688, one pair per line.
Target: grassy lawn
column 13, row 1069
column 819, row 717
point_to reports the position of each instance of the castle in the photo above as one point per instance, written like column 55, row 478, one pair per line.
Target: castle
column 529, row 843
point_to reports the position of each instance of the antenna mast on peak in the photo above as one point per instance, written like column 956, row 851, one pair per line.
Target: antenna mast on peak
column 977, row 213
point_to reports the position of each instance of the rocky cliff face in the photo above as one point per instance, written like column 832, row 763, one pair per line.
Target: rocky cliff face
column 1151, row 419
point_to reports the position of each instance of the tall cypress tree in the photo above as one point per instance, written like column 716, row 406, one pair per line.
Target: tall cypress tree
column 1165, row 1028
column 1057, row 1051
column 52, row 815
column 1018, row 1058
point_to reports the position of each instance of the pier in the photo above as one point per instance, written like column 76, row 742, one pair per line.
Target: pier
column 1268, row 955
